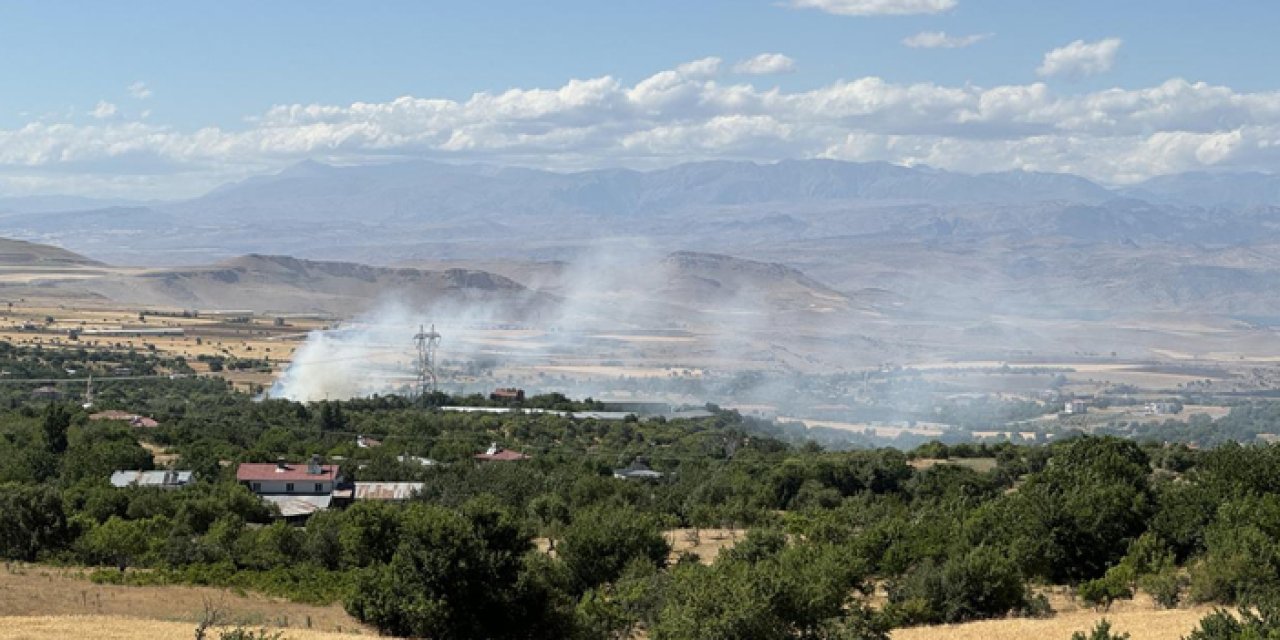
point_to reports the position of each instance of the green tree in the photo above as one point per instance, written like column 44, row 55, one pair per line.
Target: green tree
column 56, row 422
column 1262, row 623
column 122, row 543
column 982, row 583
column 451, row 577
column 602, row 540
column 32, row 522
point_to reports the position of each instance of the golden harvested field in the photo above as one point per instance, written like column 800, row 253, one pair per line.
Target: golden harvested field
column 977, row 464
column 119, row 628
column 1139, row 617
column 40, row 592
column 921, row 429
column 1139, row 624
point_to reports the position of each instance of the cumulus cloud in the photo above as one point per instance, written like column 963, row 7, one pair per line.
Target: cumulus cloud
column 103, row 110
column 765, row 64
column 876, row 7
column 688, row 112
column 1080, row 58
column 139, row 90
column 940, row 40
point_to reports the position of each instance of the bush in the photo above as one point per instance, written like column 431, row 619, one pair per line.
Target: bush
column 1102, row 631
column 1100, row 593
column 1165, row 587
column 601, row 541
column 1249, row 624
column 983, row 583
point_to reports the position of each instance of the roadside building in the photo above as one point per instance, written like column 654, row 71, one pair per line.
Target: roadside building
column 163, row 479
column 365, row 442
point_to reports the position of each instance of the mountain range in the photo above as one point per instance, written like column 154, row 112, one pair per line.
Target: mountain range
column 937, row 243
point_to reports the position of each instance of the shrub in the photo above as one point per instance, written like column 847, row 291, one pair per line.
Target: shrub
column 1102, row 631
column 1165, row 587
column 1249, row 624
column 1100, row 593
column 983, row 583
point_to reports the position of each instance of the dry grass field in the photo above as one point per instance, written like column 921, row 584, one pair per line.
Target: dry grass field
column 977, row 464
column 707, row 543
column 120, row 628
column 1139, row 617
column 37, row 594
column 1146, row 624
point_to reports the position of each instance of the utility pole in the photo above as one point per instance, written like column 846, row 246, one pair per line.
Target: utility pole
column 427, row 341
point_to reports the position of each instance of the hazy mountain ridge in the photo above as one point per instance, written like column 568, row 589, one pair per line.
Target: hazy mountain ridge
column 18, row 253
column 935, row 242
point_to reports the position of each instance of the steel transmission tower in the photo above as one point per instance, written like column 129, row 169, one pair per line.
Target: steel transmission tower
column 427, row 341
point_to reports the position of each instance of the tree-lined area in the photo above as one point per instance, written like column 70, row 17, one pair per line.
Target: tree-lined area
column 841, row 545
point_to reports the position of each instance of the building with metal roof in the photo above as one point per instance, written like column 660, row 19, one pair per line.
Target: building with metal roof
column 386, row 491
column 162, row 479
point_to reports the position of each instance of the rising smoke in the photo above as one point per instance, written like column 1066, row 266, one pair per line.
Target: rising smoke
column 613, row 286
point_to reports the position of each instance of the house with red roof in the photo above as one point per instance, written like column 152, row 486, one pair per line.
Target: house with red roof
column 298, row 490
column 497, row 454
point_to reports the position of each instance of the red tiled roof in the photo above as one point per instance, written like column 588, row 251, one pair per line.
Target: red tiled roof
column 113, row 414
column 268, row 471
column 501, row 456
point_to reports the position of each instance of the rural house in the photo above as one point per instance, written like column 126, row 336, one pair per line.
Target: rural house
column 297, row 490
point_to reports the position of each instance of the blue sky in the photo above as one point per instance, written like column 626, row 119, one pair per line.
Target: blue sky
column 167, row 99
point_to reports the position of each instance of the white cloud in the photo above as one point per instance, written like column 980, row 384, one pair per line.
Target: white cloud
column 702, row 68
column 103, row 110
column 139, row 90
column 1080, row 58
column 876, row 7
column 684, row 113
column 940, row 40
column 765, row 64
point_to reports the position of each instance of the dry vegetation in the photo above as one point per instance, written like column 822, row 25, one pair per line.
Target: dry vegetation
column 36, row 599
column 118, row 628
column 1141, row 624
column 1140, row 617
column 707, row 543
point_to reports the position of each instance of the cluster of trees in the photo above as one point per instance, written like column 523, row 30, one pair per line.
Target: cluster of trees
column 946, row 542
column 36, row 361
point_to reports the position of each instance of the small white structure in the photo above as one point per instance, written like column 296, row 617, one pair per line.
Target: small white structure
column 1162, row 408
column 1075, row 407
